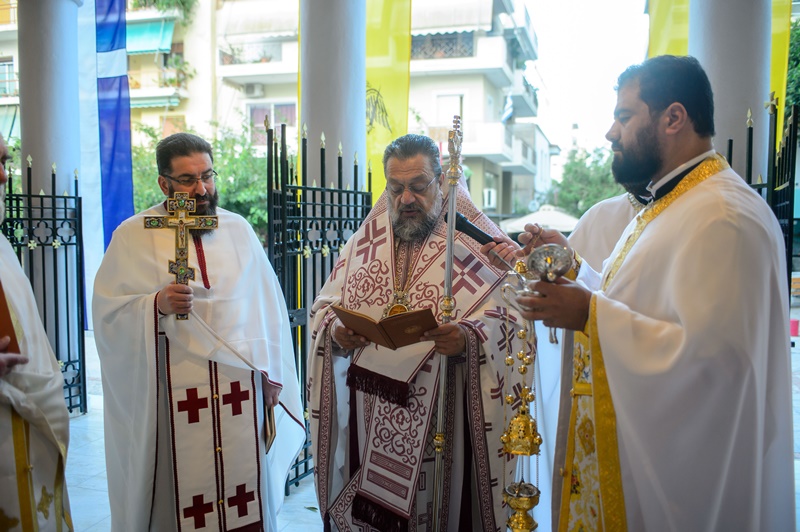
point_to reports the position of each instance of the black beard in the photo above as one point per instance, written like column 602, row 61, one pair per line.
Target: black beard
column 209, row 209
column 637, row 167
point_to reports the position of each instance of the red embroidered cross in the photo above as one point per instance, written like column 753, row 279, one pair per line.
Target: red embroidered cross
column 236, row 398
column 370, row 238
column 193, row 404
column 463, row 271
column 479, row 328
column 503, row 343
column 198, row 511
column 497, row 392
column 241, row 499
column 339, row 266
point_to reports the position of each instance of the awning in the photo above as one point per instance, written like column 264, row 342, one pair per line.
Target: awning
column 9, row 121
column 547, row 216
column 149, row 37
column 461, row 15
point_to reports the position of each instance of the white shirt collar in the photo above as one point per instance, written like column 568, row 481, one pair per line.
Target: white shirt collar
column 688, row 164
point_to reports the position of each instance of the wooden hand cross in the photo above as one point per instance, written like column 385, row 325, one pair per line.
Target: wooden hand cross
column 180, row 207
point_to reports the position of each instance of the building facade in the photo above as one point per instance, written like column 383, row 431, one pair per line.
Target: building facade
column 233, row 63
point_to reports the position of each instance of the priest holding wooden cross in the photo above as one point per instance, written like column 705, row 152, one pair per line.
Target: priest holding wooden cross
column 197, row 360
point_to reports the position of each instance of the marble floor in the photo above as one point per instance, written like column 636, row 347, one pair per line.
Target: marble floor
column 86, row 473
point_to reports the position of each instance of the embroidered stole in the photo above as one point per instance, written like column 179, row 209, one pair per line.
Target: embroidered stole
column 403, row 381
column 215, row 412
column 592, row 496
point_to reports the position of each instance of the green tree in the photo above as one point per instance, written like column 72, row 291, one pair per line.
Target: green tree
column 793, row 74
column 146, row 192
column 184, row 7
column 587, row 179
column 242, row 181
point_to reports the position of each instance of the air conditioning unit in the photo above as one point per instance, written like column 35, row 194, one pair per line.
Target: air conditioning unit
column 254, row 90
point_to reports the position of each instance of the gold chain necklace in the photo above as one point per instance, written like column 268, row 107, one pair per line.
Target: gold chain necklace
column 400, row 302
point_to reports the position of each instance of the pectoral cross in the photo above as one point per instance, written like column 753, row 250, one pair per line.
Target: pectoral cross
column 180, row 207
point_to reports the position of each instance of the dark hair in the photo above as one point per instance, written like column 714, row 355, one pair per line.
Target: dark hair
column 179, row 145
column 410, row 145
column 666, row 79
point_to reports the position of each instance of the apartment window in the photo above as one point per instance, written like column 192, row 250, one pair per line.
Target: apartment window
column 443, row 46
column 278, row 113
column 489, row 191
column 8, row 79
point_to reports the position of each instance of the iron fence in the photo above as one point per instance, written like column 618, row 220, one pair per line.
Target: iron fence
column 309, row 225
column 46, row 233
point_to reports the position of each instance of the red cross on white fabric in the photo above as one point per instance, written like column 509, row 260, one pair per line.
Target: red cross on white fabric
column 468, row 277
column 241, row 499
column 480, row 329
column 374, row 237
column 198, row 511
column 235, row 398
column 339, row 266
column 193, row 404
column 496, row 393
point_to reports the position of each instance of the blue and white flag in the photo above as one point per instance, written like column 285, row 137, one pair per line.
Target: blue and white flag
column 508, row 110
column 106, row 170
column 114, row 115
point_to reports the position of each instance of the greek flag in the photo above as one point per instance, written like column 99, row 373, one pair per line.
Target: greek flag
column 114, row 115
column 106, row 171
column 508, row 110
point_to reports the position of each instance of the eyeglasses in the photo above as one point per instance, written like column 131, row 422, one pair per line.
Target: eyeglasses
column 192, row 181
column 417, row 188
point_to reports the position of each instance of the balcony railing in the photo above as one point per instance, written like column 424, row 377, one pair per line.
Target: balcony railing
column 9, row 87
column 443, row 46
column 249, row 53
column 167, row 77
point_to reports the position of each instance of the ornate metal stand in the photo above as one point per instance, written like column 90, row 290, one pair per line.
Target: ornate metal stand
column 454, row 173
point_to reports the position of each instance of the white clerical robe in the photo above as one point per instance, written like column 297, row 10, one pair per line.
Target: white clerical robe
column 598, row 230
column 594, row 238
column 375, row 461
column 692, row 327
column 184, row 417
column 34, row 424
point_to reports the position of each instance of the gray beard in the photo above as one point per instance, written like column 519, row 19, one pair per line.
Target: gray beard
column 413, row 230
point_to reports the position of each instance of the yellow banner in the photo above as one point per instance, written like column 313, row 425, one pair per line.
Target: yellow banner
column 388, row 60
column 669, row 27
column 779, row 62
column 669, row 34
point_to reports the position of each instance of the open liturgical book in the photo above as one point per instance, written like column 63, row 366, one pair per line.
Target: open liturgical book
column 395, row 331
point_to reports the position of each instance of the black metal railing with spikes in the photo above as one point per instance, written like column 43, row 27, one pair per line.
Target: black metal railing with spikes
column 309, row 224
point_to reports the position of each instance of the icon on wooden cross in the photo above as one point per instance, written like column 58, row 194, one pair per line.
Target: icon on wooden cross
column 180, row 208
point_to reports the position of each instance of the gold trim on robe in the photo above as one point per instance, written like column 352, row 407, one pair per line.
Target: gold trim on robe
column 598, row 421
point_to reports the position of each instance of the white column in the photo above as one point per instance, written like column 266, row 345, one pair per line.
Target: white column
column 333, row 83
column 48, row 79
column 50, row 127
column 731, row 39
